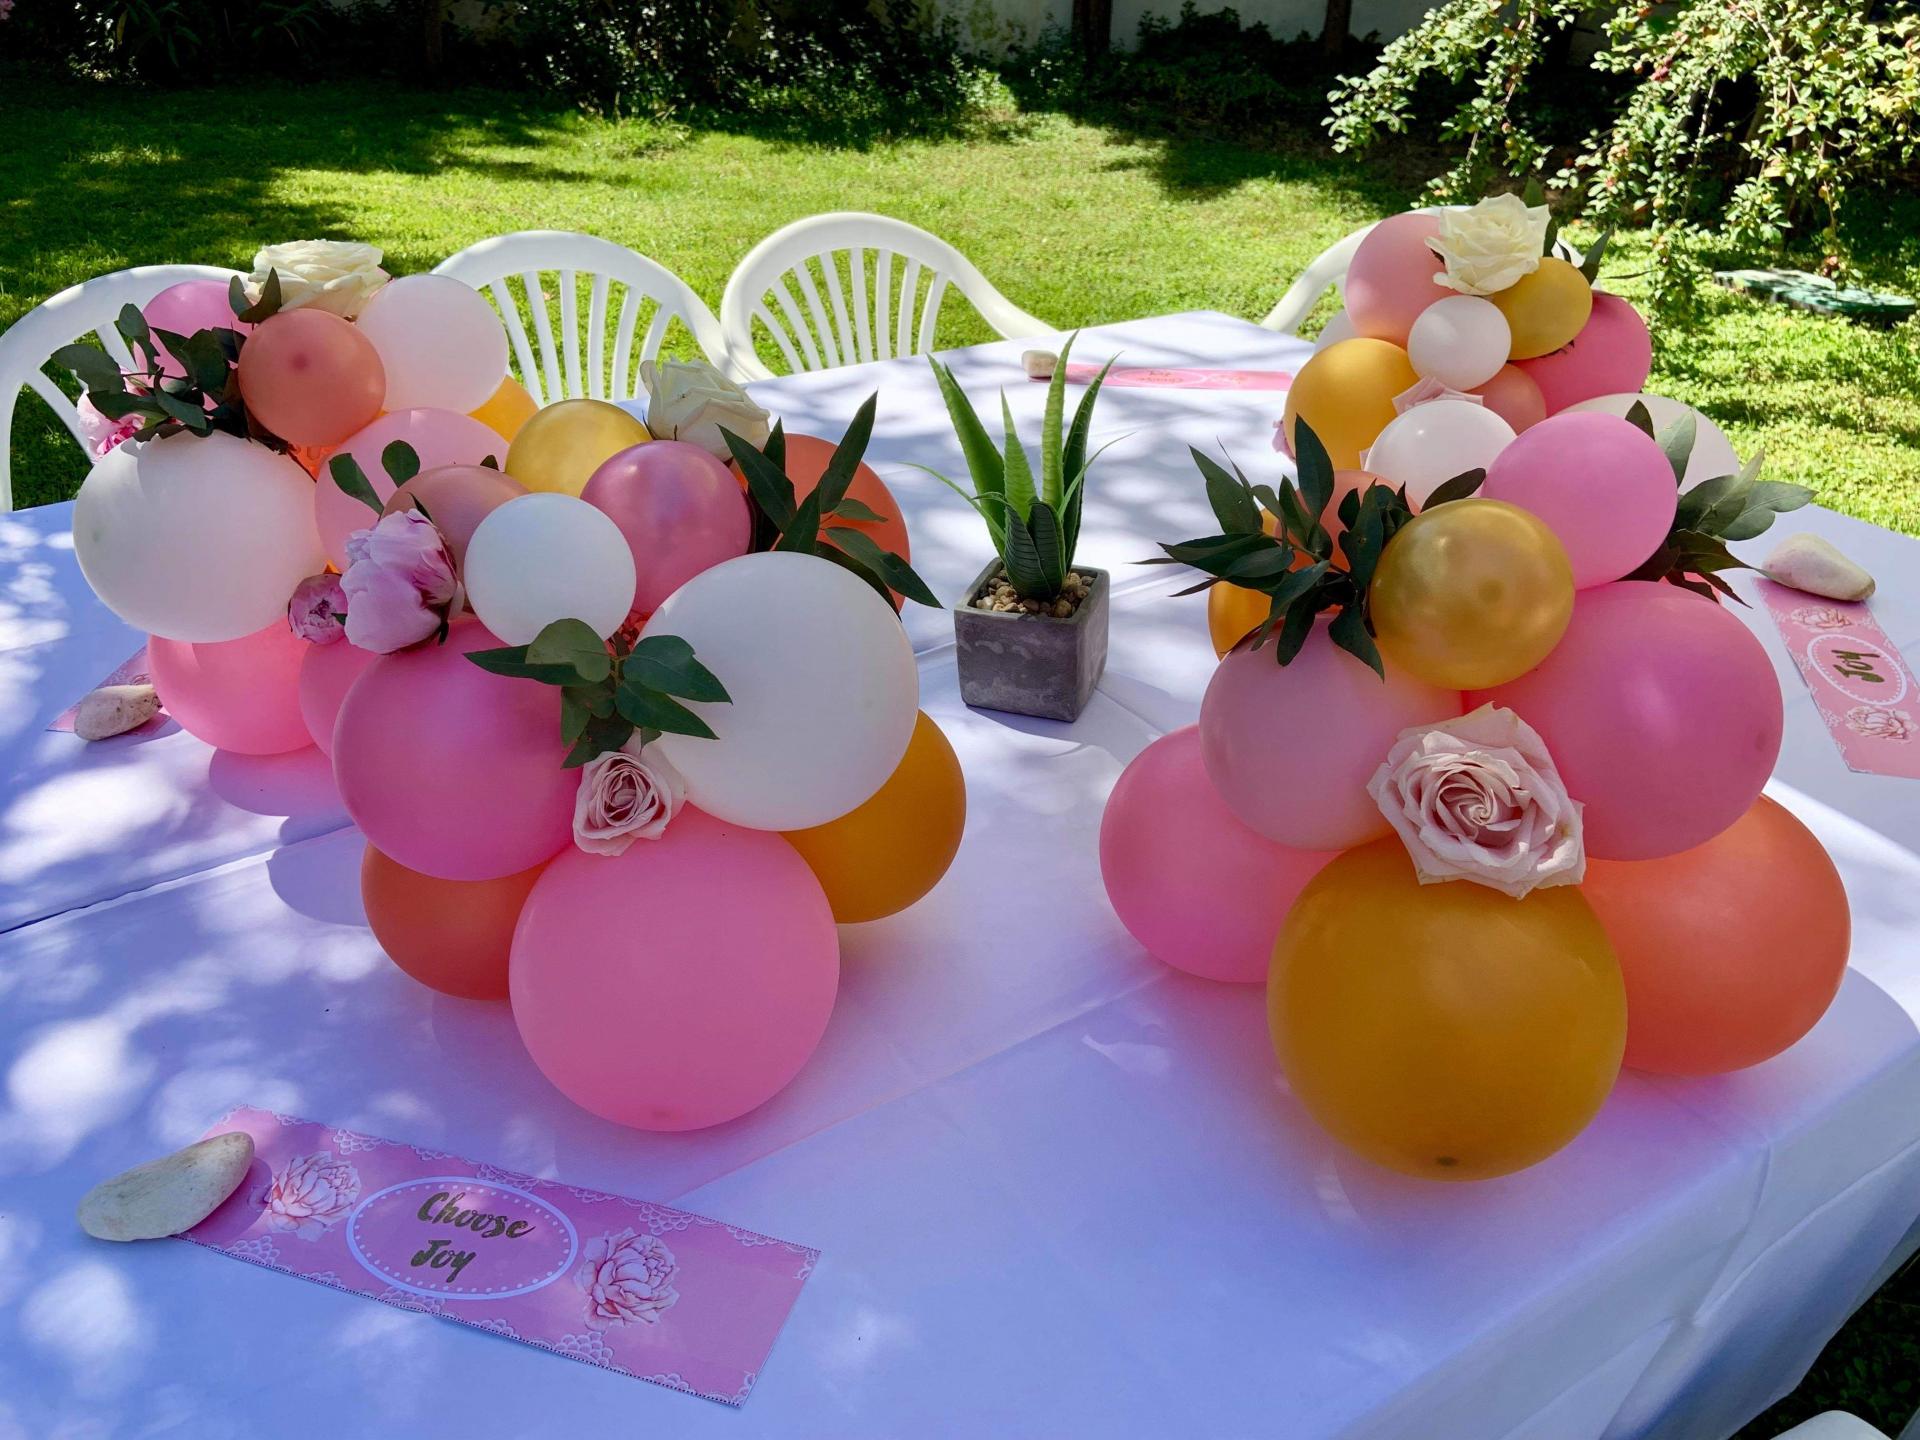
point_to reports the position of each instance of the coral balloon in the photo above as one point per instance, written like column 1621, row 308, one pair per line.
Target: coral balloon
column 1545, row 310
column 1431, row 443
column 1346, row 394
column 1662, row 713
column 544, row 557
column 507, row 409
column 699, row 1014
column 1471, row 594
column 311, row 377
column 458, row 497
column 437, row 437
column 187, row 308
column 893, row 847
column 240, row 695
column 680, row 510
column 1512, row 395
column 1233, row 611
column 197, row 538
column 807, row 458
column 1712, row 455
column 454, row 936
column 1198, row 889
column 450, row 770
column 561, row 446
column 1461, row 341
column 1613, row 352
column 1599, row 483
column 1445, row 1031
column 1290, row 748
column 1390, row 280
column 439, row 341
column 1731, row 950
column 327, row 672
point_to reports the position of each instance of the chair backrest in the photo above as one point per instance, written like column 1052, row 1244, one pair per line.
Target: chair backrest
column 89, row 307
column 573, row 356
column 866, row 314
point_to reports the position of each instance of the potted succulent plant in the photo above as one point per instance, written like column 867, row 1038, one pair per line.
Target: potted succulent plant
column 1031, row 631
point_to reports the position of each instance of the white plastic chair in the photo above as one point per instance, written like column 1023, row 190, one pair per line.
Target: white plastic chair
column 549, row 265
column 92, row 305
column 1833, row 1425
column 885, row 319
column 1328, row 268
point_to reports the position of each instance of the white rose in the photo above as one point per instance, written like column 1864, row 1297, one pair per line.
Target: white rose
column 1478, row 799
column 625, row 795
column 690, row 400
column 1489, row 246
column 333, row 275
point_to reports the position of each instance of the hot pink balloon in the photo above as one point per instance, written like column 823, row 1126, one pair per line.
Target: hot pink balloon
column 695, row 1014
column 1290, row 748
column 1512, row 395
column 680, row 509
column 1200, row 890
column 458, row 498
column 326, row 674
column 186, row 308
column 1612, row 353
column 240, row 695
column 450, row 770
column 1662, row 713
column 438, row 437
column 1600, row 484
column 1391, row 278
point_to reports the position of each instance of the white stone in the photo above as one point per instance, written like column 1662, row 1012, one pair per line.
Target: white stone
column 167, row 1196
column 1808, row 562
column 114, row 710
column 1039, row 364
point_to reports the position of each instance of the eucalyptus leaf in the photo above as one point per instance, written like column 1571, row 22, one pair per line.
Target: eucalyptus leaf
column 91, row 366
column 573, row 644
column 401, row 462
column 1677, row 441
column 1641, row 418
column 667, row 663
column 643, row 706
column 353, row 481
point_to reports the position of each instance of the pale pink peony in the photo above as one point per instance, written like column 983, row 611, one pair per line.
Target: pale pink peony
column 1478, row 799
column 317, row 612
column 627, row 1277
column 312, row 1194
column 1881, row 722
column 102, row 435
column 625, row 795
column 400, row 583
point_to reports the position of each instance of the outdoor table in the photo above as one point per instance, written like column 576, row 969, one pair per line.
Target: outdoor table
column 1059, row 1188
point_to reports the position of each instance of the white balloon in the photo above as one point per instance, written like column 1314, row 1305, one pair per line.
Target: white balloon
column 823, row 683
column 1339, row 328
column 546, row 557
column 1461, row 341
column 1434, row 442
column 1713, row 454
column 196, row 538
column 439, row 340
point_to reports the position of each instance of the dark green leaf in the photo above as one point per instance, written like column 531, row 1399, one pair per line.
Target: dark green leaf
column 118, row 404
column 348, row 475
column 1458, row 488
column 771, row 490
column 1044, row 524
column 572, row 644
column 1214, row 553
column 574, row 715
column 1293, row 632
column 267, row 306
column 983, row 459
column 801, row 534
column 1074, row 460
column 1677, row 441
column 852, row 509
column 894, row 571
column 776, row 447
column 1019, row 471
column 401, row 462
column 1349, row 632
column 642, row 706
column 1590, row 265
column 1642, row 418
column 92, row 367
column 511, row 661
column 1231, row 498
column 1315, row 467
column 1022, row 561
column 666, row 663
column 840, row 469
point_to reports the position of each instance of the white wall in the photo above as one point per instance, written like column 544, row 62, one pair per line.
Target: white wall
column 992, row 23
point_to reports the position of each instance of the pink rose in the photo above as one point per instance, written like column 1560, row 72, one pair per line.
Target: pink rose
column 101, row 434
column 625, row 795
column 312, row 1194
column 317, row 612
column 399, row 584
column 1424, row 390
column 1478, row 799
column 627, row 1277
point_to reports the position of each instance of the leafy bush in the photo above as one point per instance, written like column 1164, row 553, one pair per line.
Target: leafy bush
column 191, row 39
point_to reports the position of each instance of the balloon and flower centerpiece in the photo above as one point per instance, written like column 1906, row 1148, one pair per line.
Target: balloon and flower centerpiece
column 627, row 729
column 1476, row 786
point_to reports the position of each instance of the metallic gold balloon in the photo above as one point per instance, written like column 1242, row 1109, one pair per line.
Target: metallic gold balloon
column 1446, row 1030
column 560, row 447
column 1346, row 394
column 1546, row 309
column 1232, row 610
column 1471, row 594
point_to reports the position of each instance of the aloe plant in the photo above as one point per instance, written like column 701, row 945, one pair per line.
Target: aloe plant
column 1034, row 519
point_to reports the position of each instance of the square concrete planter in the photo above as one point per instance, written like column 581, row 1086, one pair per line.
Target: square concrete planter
column 1031, row 664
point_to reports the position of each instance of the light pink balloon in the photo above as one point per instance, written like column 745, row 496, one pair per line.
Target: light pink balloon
column 1200, row 890
column 694, row 996
column 1600, row 484
column 458, row 498
column 1662, row 713
column 1290, row 748
column 1391, row 278
column 450, row 770
column 438, row 437
column 240, row 695
column 680, row 509
column 1612, row 353
column 186, row 308
column 326, row 674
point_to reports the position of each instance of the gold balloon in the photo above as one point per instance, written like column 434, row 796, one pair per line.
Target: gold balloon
column 1471, row 594
column 1546, row 309
column 1445, row 1031
column 507, row 409
column 1232, row 610
column 1346, row 394
column 561, row 446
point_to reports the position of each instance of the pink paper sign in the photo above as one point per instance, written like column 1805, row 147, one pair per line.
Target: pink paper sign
column 1862, row 687
column 133, row 670
column 1180, row 378
column 646, row 1290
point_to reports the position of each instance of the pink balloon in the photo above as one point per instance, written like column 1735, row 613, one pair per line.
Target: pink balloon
column 1200, row 890
column 1612, row 354
column 240, row 695
column 680, row 509
column 438, row 437
column 189, row 307
column 1290, row 748
column 1600, row 484
column 1662, row 713
column 326, row 674
column 458, row 498
column 1512, row 395
column 450, row 770
column 1391, row 278
column 695, row 1014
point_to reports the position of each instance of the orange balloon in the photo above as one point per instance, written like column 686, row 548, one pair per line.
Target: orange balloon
column 310, row 377
column 451, row 935
column 807, row 458
column 507, row 409
column 883, row 855
column 1232, row 611
column 1731, row 950
column 1514, row 396
column 1346, row 394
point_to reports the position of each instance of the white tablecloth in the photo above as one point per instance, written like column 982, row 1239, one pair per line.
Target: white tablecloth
column 1059, row 1189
